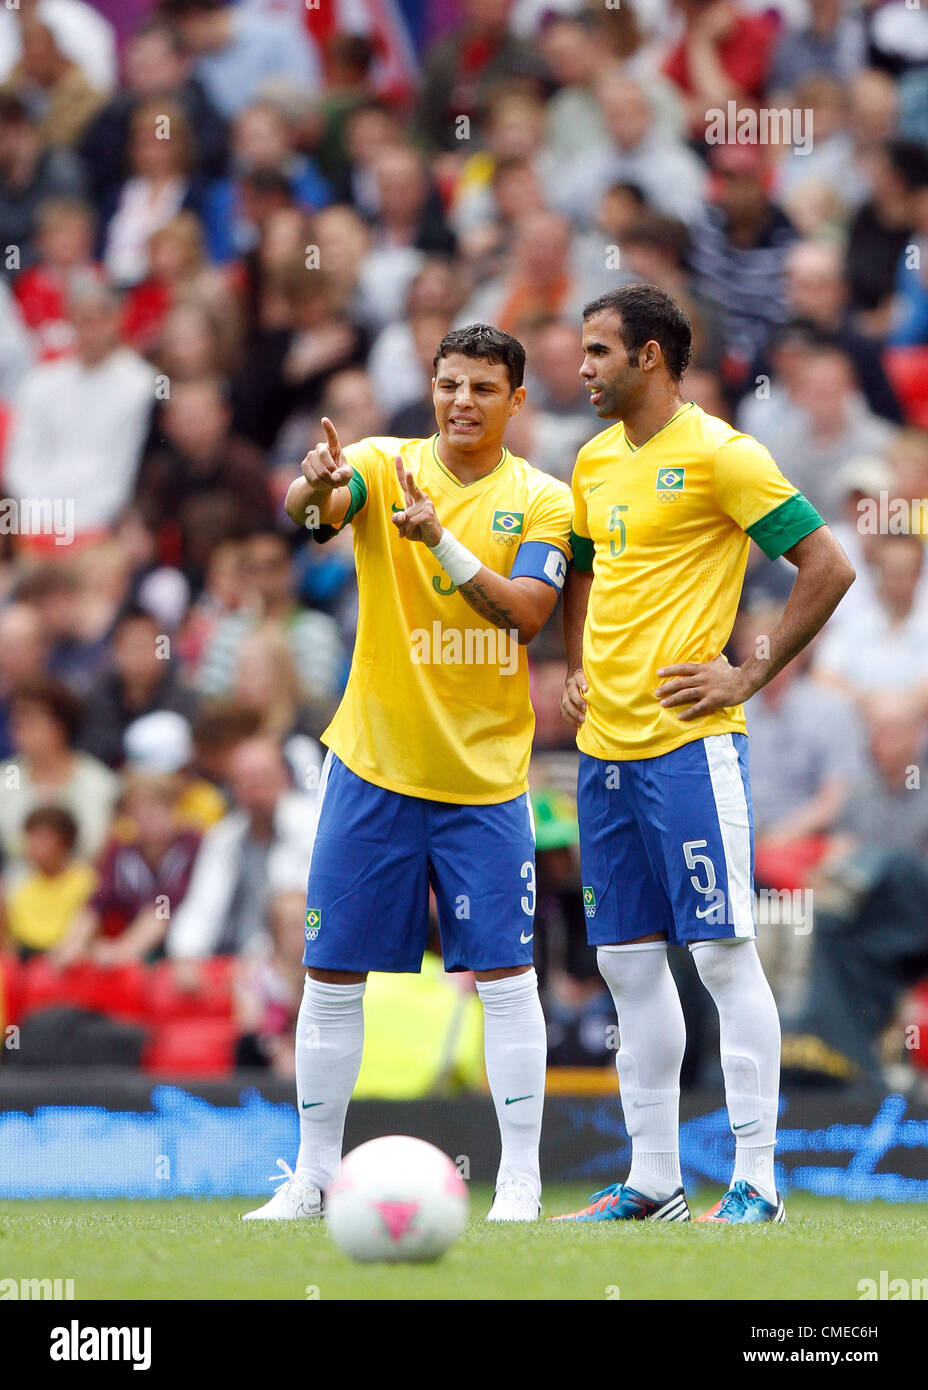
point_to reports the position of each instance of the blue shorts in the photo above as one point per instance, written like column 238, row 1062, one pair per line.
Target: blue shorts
column 374, row 856
column 667, row 844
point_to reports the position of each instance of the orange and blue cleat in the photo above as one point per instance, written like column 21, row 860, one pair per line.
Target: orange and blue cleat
column 743, row 1203
column 621, row 1203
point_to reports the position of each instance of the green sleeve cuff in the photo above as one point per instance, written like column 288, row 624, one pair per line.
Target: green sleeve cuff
column 583, row 549
column 785, row 526
column 358, row 489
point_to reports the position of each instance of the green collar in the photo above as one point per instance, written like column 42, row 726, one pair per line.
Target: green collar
column 447, row 471
column 636, row 448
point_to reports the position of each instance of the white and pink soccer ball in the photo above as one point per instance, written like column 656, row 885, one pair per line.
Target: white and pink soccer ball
column 396, row 1199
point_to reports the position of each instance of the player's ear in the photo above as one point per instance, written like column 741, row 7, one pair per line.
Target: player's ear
column 517, row 400
column 650, row 356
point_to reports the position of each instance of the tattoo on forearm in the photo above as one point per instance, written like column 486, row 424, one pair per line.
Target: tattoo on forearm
column 487, row 607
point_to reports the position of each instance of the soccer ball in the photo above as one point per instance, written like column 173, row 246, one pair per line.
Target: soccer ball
column 396, row 1199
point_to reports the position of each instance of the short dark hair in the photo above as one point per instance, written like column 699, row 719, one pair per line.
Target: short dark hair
column 488, row 344
column 645, row 314
column 57, row 819
column 54, row 697
column 909, row 159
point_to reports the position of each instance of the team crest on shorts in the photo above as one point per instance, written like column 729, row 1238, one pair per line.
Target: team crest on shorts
column 313, row 923
column 589, row 902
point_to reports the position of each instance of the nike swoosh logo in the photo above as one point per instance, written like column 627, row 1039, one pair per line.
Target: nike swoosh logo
column 526, row 939
column 308, row 1104
column 594, row 486
column 645, row 1104
column 511, row 1100
column 746, row 1124
column 704, row 911
column 395, row 508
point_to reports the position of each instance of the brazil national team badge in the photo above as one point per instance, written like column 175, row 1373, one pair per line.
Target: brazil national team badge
column 589, row 902
column 670, row 479
column 313, row 923
column 506, row 526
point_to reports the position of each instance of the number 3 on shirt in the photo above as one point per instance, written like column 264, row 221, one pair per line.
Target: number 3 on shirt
column 617, row 523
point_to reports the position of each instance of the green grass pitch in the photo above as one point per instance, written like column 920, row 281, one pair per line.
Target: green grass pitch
column 200, row 1249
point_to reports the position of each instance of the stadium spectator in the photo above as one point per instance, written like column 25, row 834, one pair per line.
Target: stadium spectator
column 909, row 322
column 29, row 175
column 237, row 48
column 887, row 648
column 562, row 422
column 463, row 67
column 40, row 903
column 177, row 272
column 832, row 41
column 269, row 597
column 24, row 652
column 636, row 151
column 724, row 55
column 156, row 66
column 268, row 989
column 259, row 849
column 880, row 230
column 870, row 940
column 142, row 879
column 806, row 746
column 50, row 83
column 75, row 622
column 141, row 679
column 829, row 424
column 46, row 769
column 817, row 294
column 539, row 282
column 159, row 183
column 267, row 686
column 162, row 743
column 738, row 251
column 64, row 242
column 262, row 138
column 73, row 413
column 81, row 32
column 191, row 343
column 396, row 370
column 199, row 459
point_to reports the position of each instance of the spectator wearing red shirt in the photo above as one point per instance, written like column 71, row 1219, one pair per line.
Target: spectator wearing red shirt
column 65, row 232
column 142, row 880
column 724, row 56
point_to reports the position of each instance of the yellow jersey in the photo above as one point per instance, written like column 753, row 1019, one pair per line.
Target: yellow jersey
column 665, row 529
column 40, row 908
column 437, row 701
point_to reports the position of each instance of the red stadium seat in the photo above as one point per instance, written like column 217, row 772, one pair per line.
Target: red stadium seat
column 907, row 369
column 11, row 989
column 118, row 991
column 192, row 1047
column 917, row 1015
column 166, row 1002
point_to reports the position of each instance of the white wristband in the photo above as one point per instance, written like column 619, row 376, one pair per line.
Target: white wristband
column 456, row 560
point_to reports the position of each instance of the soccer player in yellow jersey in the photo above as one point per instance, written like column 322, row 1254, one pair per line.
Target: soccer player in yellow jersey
column 461, row 552
column 665, row 503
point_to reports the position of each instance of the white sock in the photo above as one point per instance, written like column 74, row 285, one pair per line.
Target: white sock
column 329, row 1044
column 652, row 1038
column 749, row 1030
column 516, row 1050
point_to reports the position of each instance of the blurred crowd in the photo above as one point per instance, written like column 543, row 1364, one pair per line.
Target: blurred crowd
column 220, row 221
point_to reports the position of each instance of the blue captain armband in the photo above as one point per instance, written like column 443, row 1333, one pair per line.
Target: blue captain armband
column 540, row 560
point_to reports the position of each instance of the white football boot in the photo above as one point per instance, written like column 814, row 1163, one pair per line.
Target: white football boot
column 294, row 1199
column 515, row 1200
